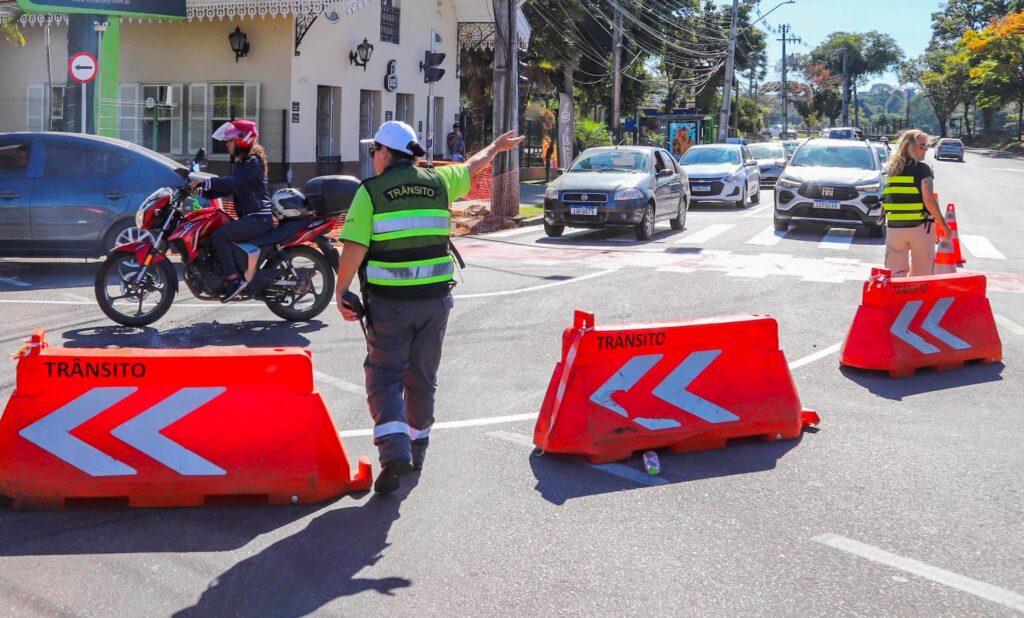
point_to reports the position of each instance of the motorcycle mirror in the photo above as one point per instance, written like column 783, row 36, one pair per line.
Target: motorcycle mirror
column 200, row 156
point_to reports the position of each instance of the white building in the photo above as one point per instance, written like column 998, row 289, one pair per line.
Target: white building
column 297, row 80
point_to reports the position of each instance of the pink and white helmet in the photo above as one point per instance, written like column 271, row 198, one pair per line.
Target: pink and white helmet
column 244, row 133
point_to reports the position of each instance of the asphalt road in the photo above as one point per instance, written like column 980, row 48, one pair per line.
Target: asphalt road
column 906, row 501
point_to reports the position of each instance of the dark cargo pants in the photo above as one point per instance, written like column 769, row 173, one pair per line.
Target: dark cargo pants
column 403, row 354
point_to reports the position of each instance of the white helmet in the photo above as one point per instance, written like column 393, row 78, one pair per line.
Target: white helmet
column 289, row 204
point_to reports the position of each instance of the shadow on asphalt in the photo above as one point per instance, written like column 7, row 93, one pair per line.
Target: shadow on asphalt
column 251, row 333
column 924, row 381
column 810, row 232
column 561, row 477
column 20, row 276
column 298, row 575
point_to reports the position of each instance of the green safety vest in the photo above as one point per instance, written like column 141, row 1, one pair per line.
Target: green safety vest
column 902, row 201
column 409, row 257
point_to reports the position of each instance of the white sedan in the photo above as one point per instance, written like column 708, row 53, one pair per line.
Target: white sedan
column 722, row 173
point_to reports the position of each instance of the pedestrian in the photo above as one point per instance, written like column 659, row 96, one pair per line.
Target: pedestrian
column 396, row 238
column 456, row 144
column 910, row 209
column 549, row 153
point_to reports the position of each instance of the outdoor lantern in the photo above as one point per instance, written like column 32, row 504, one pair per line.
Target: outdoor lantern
column 239, row 43
column 361, row 56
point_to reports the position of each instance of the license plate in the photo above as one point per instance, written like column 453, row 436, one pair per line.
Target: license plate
column 701, row 188
column 828, row 204
column 583, row 210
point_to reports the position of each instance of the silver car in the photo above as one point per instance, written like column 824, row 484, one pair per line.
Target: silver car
column 838, row 182
column 722, row 173
column 771, row 160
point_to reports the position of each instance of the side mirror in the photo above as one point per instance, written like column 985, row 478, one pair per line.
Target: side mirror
column 664, row 173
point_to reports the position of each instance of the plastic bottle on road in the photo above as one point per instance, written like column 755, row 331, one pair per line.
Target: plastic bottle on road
column 651, row 463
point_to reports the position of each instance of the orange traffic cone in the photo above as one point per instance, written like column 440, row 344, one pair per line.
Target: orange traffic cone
column 945, row 263
column 951, row 220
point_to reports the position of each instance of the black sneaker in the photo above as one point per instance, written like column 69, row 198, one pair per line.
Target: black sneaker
column 239, row 285
column 390, row 476
column 418, row 455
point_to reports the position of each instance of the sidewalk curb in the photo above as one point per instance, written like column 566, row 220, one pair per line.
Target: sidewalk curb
column 538, row 220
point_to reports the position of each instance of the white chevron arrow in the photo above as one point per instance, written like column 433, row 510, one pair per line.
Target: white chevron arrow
column 901, row 327
column 671, row 390
column 143, row 432
column 52, row 432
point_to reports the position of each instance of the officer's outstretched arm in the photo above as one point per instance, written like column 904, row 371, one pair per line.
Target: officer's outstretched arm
column 505, row 142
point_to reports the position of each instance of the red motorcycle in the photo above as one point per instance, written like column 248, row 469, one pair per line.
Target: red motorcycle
column 290, row 268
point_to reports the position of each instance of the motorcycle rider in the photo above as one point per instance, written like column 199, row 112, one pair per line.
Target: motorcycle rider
column 251, row 193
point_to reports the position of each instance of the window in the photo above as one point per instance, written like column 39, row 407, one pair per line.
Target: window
column 64, row 161
column 404, row 108
column 390, row 16
column 14, row 160
column 156, row 119
column 57, row 108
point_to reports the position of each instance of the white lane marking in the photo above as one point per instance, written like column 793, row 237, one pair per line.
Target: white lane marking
column 756, row 211
column 516, row 231
column 1007, row 169
column 620, row 470
column 545, row 286
column 980, row 589
column 1009, row 324
column 767, row 237
column 338, row 383
column 980, row 247
column 837, row 238
column 475, row 422
column 706, row 234
column 78, row 298
column 820, row 354
column 15, row 282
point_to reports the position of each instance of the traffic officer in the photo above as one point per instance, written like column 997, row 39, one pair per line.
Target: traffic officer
column 910, row 208
column 396, row 237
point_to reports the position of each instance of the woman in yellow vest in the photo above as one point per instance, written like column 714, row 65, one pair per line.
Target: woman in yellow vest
column 910, row 209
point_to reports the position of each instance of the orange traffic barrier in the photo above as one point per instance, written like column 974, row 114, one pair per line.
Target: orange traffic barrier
column 686, row 386
column 157, row 428
column 945, row 261
column 940, row 321
column 951, row 220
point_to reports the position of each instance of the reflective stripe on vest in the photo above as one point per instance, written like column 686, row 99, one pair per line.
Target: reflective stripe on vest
column 410, row 223
column 422, row 272
column 902, row 200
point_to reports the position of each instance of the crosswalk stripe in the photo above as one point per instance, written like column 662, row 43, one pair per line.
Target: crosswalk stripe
column 980, row 247
column 706, row 234
column 837, row 238
column 767, row 237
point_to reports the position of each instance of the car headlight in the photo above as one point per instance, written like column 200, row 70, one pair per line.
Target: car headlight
column 732, row 177
column 789, row 183
column 871, row 188
column 631, row 193
column 551, row 193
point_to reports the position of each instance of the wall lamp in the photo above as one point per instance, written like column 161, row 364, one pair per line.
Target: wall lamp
column 239, row 43
column 361, row 57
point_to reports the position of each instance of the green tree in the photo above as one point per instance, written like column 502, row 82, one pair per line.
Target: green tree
column 999, row 50
column 10, row 28
column 868, row 53
column 928, row 71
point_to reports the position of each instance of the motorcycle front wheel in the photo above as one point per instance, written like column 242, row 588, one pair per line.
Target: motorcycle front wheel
column 134, row 303
column 307, row 287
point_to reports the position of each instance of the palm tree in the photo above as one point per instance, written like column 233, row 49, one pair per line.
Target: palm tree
column 9, row 25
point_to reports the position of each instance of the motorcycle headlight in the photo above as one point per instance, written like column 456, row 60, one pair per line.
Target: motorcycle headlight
column 789, row 183
column 871, row 188
column 140, row 216
column 631, row 193
column 551, row 193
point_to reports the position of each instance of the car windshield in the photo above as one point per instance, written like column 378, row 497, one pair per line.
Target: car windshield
column 711, row 156
column 619, row 161
column 883, row 154
column 821, row 155
column 790, row 147
column 841, row 134
column 767, row 151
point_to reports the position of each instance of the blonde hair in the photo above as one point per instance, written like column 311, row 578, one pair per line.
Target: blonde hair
column 902, row 156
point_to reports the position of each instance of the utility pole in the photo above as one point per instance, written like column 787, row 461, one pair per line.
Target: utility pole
column 730, row 65
column 846, row 86
column 786, row 38
column 505, row 188
column 616, row 72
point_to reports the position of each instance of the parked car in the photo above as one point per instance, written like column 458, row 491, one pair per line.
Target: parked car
column 622, row 186
column 771, row 160
column 722, row 173
column 838, row 182
column 883, row 154
column 842, row 133
column 949, row 148
column 742, row 141
column 73, row 194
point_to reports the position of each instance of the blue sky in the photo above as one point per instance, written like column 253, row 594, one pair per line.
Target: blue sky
column 907, row 21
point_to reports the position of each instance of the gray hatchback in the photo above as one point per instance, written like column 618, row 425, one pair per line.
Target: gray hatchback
column 634, row 186
column 73, row 194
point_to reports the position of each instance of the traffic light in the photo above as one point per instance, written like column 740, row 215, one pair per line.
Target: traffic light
column 431, row 67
